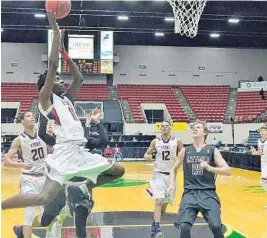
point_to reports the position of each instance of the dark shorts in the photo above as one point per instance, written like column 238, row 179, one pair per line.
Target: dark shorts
column 205, row 201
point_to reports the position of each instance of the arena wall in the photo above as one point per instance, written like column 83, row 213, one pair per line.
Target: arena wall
column 149, row 64
column 241, row 131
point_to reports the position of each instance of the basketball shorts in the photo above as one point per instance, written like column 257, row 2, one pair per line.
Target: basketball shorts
column 159, row 186
column 70, row 160
column 31, row 185
column 263, row 179
column 205, row 201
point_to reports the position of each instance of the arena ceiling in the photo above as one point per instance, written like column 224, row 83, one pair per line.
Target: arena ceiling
column 19, row 23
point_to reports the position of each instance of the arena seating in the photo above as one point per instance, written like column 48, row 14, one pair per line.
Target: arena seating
column 249, row 106
column 26, row 92
column 136, row 94
column 207, row 102
column 19, row 92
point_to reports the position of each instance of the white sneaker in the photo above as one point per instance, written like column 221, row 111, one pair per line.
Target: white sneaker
column 49, row 234
column 56, row 230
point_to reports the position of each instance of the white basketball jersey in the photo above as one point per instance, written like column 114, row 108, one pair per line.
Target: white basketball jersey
column 263, row 146
column 34, row 152
column 65, row 123
column 165, row 150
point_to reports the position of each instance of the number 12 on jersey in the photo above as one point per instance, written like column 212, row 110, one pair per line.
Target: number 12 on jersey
column 166, row 155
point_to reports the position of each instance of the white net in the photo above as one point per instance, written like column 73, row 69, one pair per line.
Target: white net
column 187, row 15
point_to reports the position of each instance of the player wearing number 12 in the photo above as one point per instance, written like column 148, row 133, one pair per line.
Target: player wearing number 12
column 164, row 150
column 33, row 151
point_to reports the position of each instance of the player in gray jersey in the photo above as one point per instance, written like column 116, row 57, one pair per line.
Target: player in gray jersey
column 201, row 164
column 33, row 151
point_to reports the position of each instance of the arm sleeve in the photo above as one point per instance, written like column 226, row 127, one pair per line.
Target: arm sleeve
column 48, row 139
column 102, row 140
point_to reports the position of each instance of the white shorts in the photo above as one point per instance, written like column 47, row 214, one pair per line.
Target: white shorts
column 70, row 160
column 159, row 186
column 31, row 185
column 263, row 180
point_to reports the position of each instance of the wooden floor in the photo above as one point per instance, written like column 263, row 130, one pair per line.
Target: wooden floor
column 242, row 199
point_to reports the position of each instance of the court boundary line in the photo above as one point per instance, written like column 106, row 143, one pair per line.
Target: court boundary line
column 120, row 226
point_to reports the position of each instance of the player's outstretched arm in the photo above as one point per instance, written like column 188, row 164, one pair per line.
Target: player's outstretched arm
column 174, row 170
column 222, row 167
column 8, row 162
column 75, row 72
column 46, row 90
column 148, row 155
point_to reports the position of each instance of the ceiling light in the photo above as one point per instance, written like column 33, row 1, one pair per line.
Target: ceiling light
column 169, row 19
column 214, row 35
column 233, row 20
column 123, row 18
column 159, row 34
column 39, row 15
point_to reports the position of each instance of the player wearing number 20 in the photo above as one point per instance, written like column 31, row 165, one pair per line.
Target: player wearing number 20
column 164, row 151
column 33, row 151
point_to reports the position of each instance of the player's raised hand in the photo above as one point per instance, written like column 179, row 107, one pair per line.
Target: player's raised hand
column 52, row 21
column 62, row 46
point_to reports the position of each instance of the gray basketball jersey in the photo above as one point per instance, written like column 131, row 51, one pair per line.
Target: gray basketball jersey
column 33, row 152
column 194, row 176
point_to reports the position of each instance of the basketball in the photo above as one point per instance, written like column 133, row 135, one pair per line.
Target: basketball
column 60, row 7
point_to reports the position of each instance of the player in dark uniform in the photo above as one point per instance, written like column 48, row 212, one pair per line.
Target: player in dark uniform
column 201, row 164
column 80, row 204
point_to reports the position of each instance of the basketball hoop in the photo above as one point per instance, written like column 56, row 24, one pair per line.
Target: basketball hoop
column 187, row 15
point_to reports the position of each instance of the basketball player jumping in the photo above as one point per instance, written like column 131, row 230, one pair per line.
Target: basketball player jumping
column 262, row 151
column 69, row 157
column 164, row 150
column 201, row 164
column 33, row 151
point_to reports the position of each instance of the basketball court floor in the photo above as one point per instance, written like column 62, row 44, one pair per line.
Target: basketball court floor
column 123, row 210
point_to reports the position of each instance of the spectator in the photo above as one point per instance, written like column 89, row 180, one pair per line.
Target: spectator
column 112, row 139
column 108, row 152
column 117, row 153
column 134, row 139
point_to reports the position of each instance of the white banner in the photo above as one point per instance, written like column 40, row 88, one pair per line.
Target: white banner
column 253, row 86
column 81, row 46
column 106, row 45
column 214, row 127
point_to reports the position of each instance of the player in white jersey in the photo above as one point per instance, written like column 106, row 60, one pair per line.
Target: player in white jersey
column 164, row 150
column 69, row 157
column 33, row 151
column 262, row 151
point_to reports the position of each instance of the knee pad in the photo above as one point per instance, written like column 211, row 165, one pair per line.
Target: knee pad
column 216, row 229
column 29, row 216
column 185, row 230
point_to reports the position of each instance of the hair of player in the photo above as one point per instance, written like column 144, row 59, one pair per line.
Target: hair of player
column 263, row 127
column 205, row 126
column 167, row 122
column 42, row 78
column 22, row 116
